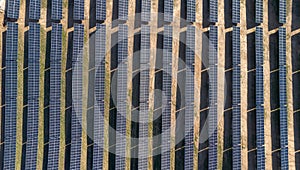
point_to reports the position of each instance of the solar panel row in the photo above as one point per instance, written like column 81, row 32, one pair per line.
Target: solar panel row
column 100, row 10
column 167, row 85
column 259, row 11
column 10, row 114
column 55, row 87
column 144, row 97
column 259, row 99
column 13, row 7
column 168, row 10
column 99, row 96
column 236, row 11
column 34, row 9
column 146, row 10
column 77, row 82
column 78, row 10
column 283, row 98
column 121, row 96
column 191, row 10
column 189, row 98
column 56, row 10
column 213, row 94
column 236, row 96
column 123, row 10
column 282, row 11
column 33, row 95
column 213, row 10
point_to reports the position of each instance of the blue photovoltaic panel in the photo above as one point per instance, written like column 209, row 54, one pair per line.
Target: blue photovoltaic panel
column 121, row 96
column 213, row 94
column 191, row 10
column 78, row 9
column 259, row 46
column 33, row 95
column 167, row 85
column 99, row 96
column 282, row 11
column 34, row 9
column 236, row 97
column 76, row 130
column 213, row 10
column 13, row 7
column 236, row 11
column 55, row 87
column 282, row 46
column 56, row 10
column 100, row 10
column 189, row 98
column 168, row 10
column 144, row 98
column 259, row 11
column 146, row 10
column 123, row 10
column 10, row 113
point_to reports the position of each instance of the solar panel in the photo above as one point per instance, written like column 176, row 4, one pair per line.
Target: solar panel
column 168, row 10
column 121, row 96
column 236, row 11
column 146, row 10
column 13, row 7
column 33, row 95
column 34, row 9
column 213, row 45
column 282, row 46
column 167, row 85
column 213, row 93
column 189, row 98
column 259, row 46
column 123, row 10
column 282, row 11
column 259, row 11
column 55, row 87
column 76, row 130
column 99, row 96
column 78, row 9
column 100, row 10
column 10, row 113
column 213, row 10
column 56, row 10
column 191, row 10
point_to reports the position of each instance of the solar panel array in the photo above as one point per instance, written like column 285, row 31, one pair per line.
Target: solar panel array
column 213, row 96
column 236, row 11
column 10, row 114
column 168, row 10
column 259, row 99
column 167, row 86
column 144, row 97
column 259, row 11
column 33, row 94
column 77, row 65
column 13, row 7
column 146, row 10
column 283, row 98
column 191, row 10
column 100, row 10
column 99, row 96
column 282, row 11
column 123, row 10
column 236, row 96
column 213, row 10
column 189, row 98
column 34, row 9
column 55, row 90
column 56, row 10
column 78, row 10
column 121, row 96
